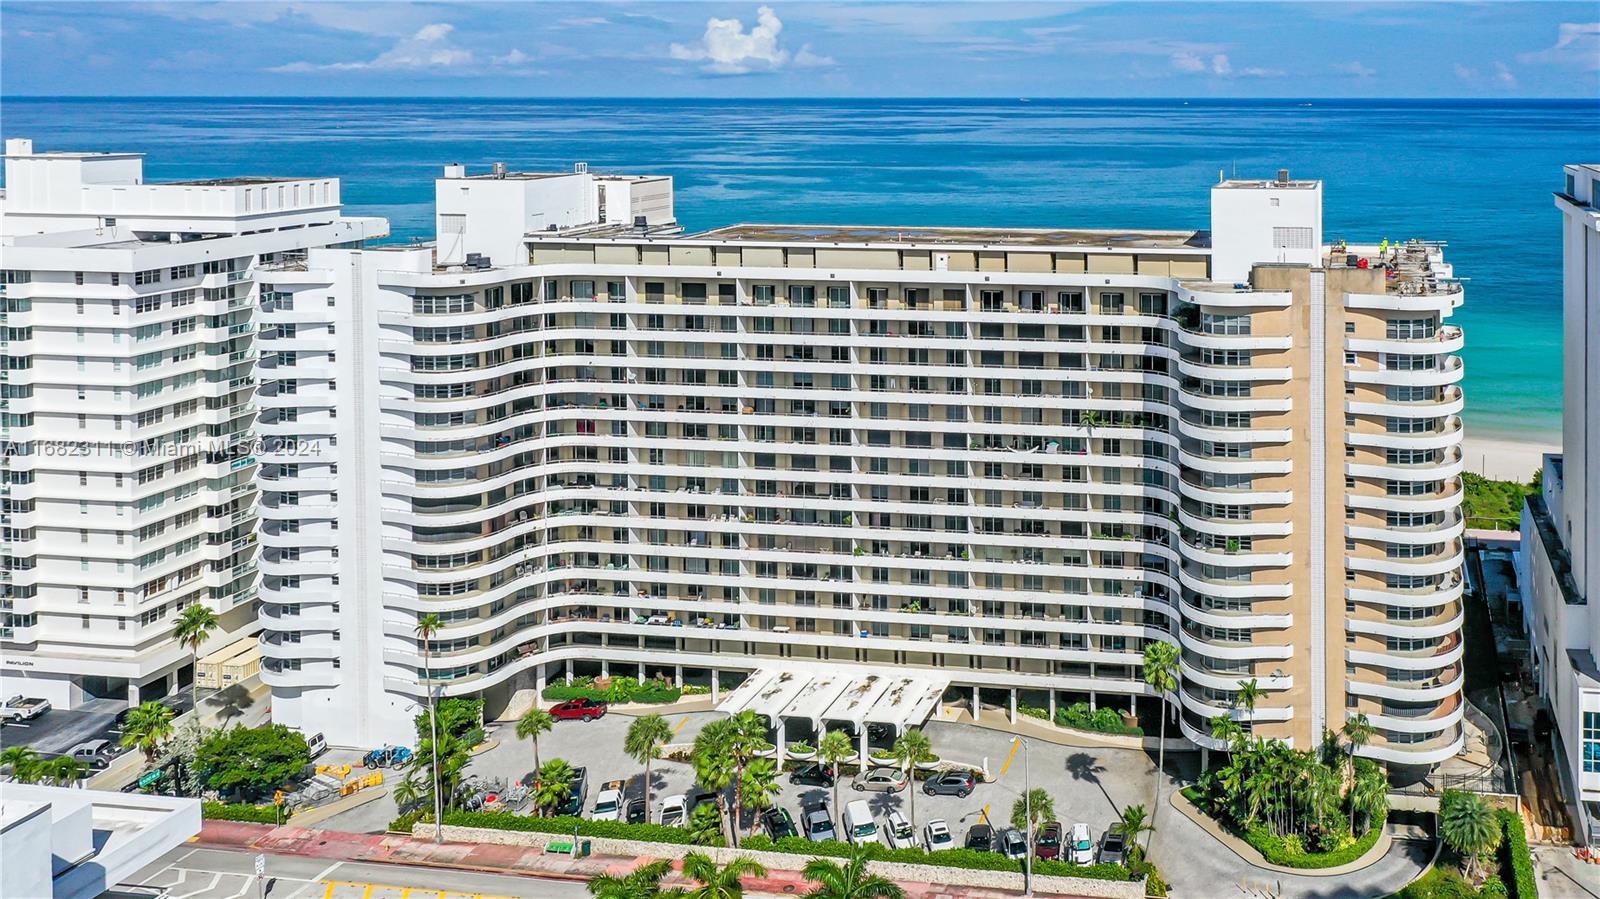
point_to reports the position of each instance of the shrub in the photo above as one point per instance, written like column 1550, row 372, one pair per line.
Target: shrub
column 970, row 859
column 1288, row 851
column 1439, row 883
column 696, row 689
column 225, row 811
column 622, row 690
column 1515, row 864
column 1103, row 720
column 1033, row 711
column 617, row 830
column 406, row 822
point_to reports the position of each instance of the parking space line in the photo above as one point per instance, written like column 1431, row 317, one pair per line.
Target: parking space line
column 681, row 722
column 328, row 893
column 1015, row 744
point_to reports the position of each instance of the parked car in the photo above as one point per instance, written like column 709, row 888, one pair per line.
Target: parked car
column 936, row 836
column 579, row 709
column 579, row 782
column 950, row 783
column 316, row 744
column 1047, row 844
column 607, row 806
column 1113, row 849
column 818, row 823
column 1082, row 845
column 635, row 813
column 899, row 832
column 1013, row 844
column 22, row 708
column 880, row 780
column 777, row 823
column 859, row 827
column 980, row 837
column 97, row 755
column 812, row 775
column 675, row 810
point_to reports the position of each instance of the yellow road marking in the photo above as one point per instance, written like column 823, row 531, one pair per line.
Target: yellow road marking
column 681, row 722
column 1015, row 744
column 368, row 893
column 405, row 893
column 328, row 894
column 985, row 813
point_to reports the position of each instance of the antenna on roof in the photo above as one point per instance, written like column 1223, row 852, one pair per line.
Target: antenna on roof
column 1220, row 173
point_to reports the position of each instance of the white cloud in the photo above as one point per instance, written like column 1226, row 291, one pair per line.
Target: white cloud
column 1577, row 44
column 1189, row 61
column 1503, row 75
column 1184, row 61
column 429, row 48
column 1464, row 73
column 727, row 49
column 514, row 58
column 1355, row 69
column 1220, row 64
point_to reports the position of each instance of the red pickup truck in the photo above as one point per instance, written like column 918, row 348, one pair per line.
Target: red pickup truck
column 581, row 709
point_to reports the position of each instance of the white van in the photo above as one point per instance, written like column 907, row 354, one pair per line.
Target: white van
column 316, row 744
column 859, row 827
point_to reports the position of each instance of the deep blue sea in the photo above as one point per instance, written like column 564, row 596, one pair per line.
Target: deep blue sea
column 1478, row 175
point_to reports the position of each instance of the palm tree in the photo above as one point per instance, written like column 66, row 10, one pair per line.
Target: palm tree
column 534, row 722
column 643, row 882
column 719, row 882
column 1131, row 823
column 147, row 726
column 849, row 880
column 910, row 750
column 1228, row 731
column 193, row 627
column 1033, row 809
column 22, row 762
column 1468, row 826
column 64, row 770
column 646, row 736
column 427, row 626
column 553, row 787
column 760, row 786
column 1359, row 731
column 1249, row 694
column 1369, row 796
column 712, row 758
column 1161, row 673
column 747, row 730
column 833, row 749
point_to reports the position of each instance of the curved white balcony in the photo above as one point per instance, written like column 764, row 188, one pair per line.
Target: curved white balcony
column 1450, row 467
column 1430, row 753
column 1198, row 431
column 1233, row 528
column 1447, row 340
column 1192, row 400
column 1253, row 620
column 1235, row 497
column 1257, row 467
column 1234, row 589
column 1448, row 502
column 1449, row 593
column 1442, row 303
column 1448, row 715
column 1241, row 559
column 1219, row 650
column 1261, row 714
column 1222, row 296
column 1438, row 626
column 1259, row 342
column 1449, row 563
column 1425, row 691
column 1441, row 658
column 1448, row 373
column 1230, row 681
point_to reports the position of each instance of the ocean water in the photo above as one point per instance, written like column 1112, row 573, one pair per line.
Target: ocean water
column 1478, row 175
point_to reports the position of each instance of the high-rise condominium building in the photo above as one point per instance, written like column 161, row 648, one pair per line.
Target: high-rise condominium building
column 1559, row 563
column 128, row 355
column 860, row 471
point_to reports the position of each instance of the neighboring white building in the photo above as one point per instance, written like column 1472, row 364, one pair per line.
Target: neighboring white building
column 1559, row 563
column 871, row 468
column 128, row 313
column 69, row 843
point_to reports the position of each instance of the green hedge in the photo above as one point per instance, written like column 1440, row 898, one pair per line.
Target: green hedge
column 1103, row 720
column 1516, row 867
column 622, row 690
column 971, row 859
column 1278, row 851
column 616, row 830
column 224, row 811
column 1439, row 883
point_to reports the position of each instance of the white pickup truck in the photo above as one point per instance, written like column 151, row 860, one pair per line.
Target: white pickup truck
column 19, row 708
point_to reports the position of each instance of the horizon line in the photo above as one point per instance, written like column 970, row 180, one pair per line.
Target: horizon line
column 1585, row 100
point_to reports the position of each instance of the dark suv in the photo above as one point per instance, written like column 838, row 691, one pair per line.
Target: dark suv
column 950, row 783
column 981, row 838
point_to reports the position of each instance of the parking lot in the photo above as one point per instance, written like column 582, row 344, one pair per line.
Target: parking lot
column 1087, row 785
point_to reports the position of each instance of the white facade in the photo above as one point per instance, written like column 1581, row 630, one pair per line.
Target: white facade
column 1253, row 222
column 75, row 844
column 996, row 460
column 128, row 385
column 1559, row 563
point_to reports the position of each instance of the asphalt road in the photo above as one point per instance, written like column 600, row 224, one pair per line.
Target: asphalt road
column 191, row 873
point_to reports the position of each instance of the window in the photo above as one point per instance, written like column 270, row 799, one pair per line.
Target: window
column 1591, row 742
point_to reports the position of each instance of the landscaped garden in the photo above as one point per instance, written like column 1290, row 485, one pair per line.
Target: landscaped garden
column 619, row 690
column 1298, row 808
column 1485, row 854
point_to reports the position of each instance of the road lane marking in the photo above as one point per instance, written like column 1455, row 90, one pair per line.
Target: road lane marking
column 1015, row 744
column 681, row 722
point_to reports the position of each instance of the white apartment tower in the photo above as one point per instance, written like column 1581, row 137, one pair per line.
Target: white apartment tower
column 127, row 410
column 1559, row 562
column 844, row 474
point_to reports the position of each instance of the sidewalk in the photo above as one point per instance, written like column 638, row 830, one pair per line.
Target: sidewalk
column 495, row 859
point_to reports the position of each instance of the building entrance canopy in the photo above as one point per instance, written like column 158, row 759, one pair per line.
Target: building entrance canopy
column 837, row 694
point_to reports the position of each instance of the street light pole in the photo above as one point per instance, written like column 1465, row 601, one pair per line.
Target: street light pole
column 1027, row 810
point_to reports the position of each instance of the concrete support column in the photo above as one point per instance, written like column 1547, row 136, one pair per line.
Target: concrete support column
column 133, row 693
column 1052, row 705
column 569, row 672
column 1205, row 760
column 172, row 681
column 863, row 736
column 716, row 685
column 1013, row 705
column 975, row 705
column 677, row 677
column 539, row 681
column 605, row 667
column 1092, row 701
column 778, row 741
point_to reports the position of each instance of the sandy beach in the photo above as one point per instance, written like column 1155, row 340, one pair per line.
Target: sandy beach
column 1503, row 459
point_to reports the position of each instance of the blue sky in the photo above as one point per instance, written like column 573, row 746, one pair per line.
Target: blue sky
column 814, row 49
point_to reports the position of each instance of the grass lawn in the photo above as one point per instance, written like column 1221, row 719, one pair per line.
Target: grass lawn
column 1494, row 504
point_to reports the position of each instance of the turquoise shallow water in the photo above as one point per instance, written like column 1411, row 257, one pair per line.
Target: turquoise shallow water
column 1475, row 174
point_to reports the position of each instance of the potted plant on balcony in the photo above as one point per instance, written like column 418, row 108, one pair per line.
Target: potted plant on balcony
column 802, row 751
column 1233, row 545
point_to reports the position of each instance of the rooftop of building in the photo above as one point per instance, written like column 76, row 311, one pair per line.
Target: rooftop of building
column 238, row 181
column 1264, row 183
column 1001, row 237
